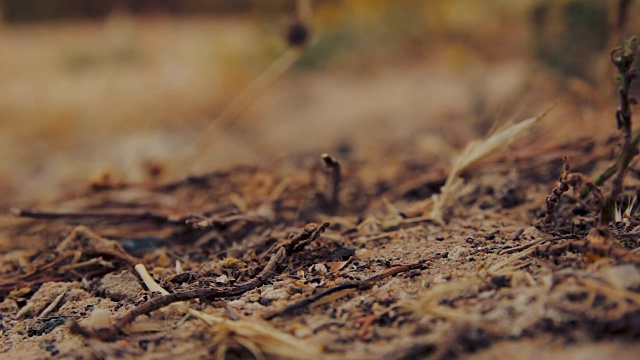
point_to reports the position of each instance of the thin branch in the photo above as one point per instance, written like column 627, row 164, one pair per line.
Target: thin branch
column 134, row 215
column 280, row 252
column 120, row 214
column 358, row 285
column 535, row 242
column 334, row 185
column 602, row 249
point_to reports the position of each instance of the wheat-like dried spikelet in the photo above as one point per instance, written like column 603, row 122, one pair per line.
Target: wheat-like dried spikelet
column 475, row 151
column 260, row 338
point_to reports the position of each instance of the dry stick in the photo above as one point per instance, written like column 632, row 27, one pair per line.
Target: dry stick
column 280, row 253
column 230, row 114
column 18, row 278
column 587, row 246
column 92, row 261
column 358, row 285
column 133, row 215
column 535, row 242
column 297, row 37
column 116, row 213
column 52, row 306
column 334, row 187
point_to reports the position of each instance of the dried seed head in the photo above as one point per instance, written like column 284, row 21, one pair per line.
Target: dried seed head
column 297, row 34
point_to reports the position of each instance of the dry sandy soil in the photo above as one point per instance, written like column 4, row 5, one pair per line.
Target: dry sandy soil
column 486, row 284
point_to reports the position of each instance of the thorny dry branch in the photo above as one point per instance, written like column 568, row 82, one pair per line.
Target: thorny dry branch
column 567, row 180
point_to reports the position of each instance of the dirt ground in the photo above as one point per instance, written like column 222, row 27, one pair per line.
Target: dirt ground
column 95, row 127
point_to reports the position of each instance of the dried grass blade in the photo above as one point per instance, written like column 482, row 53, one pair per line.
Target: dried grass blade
column 475, row 151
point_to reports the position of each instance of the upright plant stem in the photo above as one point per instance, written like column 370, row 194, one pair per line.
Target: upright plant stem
column 623, row 58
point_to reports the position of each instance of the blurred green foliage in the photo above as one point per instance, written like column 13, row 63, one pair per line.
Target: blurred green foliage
column 570, row 36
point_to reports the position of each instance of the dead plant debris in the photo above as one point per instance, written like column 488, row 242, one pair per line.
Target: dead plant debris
column 235, row 265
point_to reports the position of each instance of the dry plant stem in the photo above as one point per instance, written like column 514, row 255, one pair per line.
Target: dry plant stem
column 21, row 277
column 48, row 271
column 608, row 250
column 124, row 214
column 52, row 306
column 623, row 58
column 134, row 215
column 93, row 261
column 358, row 285
column 613, row 169
column 230, row 114
column 334, row 186
column 535, row 242
column 567, row 180
column 280, row 253
column 556, row 193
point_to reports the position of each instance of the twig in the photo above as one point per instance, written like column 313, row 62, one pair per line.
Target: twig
column 334, row 186
column 135, row 215
column 121, row 214
column 97, row 260
column 280, row 252
column 602, row 249
column 297, row 37
column 533, row 243
column 230, row 114
column 358, row 285
column 207, row 222
column 52, row 306
column 49, row 265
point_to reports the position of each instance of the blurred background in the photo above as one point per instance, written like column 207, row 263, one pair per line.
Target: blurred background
column 116, row 85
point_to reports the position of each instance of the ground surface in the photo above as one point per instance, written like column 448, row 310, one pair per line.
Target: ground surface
column 485, row 285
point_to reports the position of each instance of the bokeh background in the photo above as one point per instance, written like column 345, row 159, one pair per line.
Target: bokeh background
column 93, row 86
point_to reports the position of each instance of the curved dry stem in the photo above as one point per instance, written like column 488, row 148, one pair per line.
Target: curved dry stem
column 230, row 114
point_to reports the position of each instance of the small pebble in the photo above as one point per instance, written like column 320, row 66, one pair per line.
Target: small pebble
column 121, row 286
column 320, row 269
column 458, row 252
